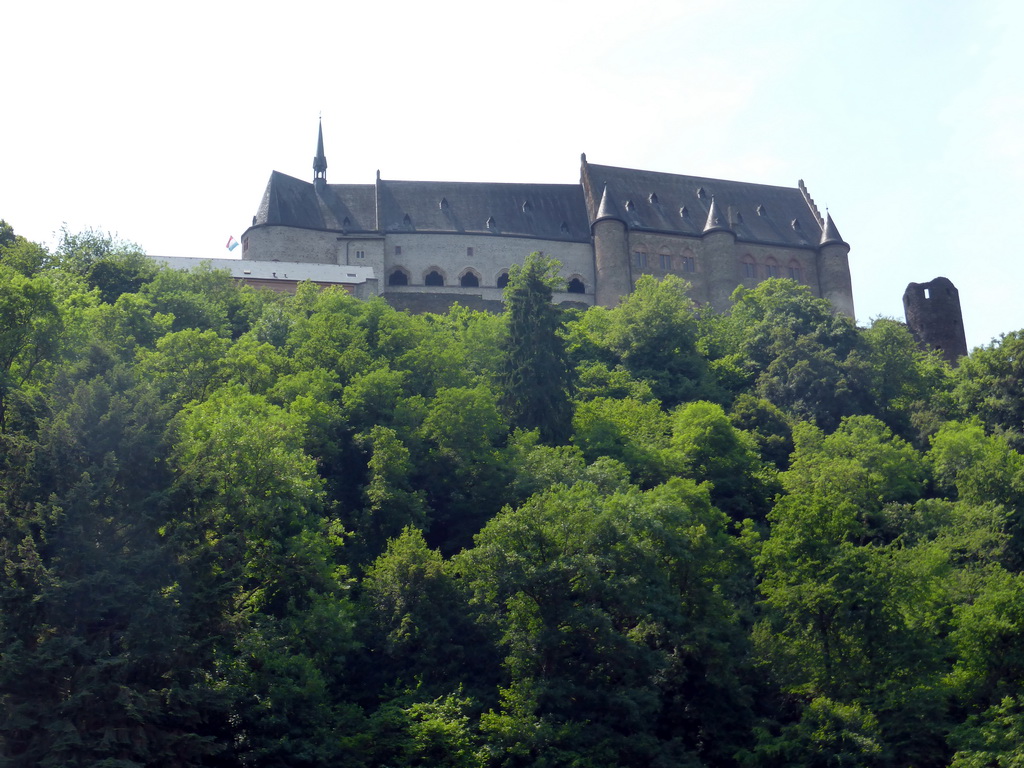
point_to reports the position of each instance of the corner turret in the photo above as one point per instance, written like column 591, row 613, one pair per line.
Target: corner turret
column 719, row 251
column 834, row 268
column 611, row 254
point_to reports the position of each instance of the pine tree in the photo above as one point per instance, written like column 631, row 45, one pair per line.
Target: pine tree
column 535, row 374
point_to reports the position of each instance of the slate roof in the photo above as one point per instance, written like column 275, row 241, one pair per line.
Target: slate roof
column 677, row 204
column 643, row 200
column 544, row 211
column 292, row 202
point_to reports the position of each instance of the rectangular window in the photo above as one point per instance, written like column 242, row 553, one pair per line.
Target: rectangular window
column 398, row 250
column 794, row 273
column 469, row 251
column 360, row 254
column 664, row 259
column 641, row 259
column 749, row 270
column 689, row 264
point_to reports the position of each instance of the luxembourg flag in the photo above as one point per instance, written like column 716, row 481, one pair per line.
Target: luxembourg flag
column 232, row 243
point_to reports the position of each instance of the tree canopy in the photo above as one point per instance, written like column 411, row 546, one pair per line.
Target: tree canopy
column 242, row 529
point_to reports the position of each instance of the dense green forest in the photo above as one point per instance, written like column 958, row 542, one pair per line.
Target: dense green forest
column 245, row 529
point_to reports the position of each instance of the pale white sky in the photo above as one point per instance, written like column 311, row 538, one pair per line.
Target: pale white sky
column 162, row 123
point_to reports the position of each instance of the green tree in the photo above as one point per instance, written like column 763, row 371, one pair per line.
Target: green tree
column 535, row 373
column 615, row 613
column 988, row 385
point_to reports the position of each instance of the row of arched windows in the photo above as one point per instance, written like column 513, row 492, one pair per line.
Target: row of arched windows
column 771, row 268
column 470, row 278
column 665, row 260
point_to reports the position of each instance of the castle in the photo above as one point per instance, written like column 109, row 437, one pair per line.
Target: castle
column 428, row 244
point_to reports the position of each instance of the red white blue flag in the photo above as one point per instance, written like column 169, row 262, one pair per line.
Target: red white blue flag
column 232, row 243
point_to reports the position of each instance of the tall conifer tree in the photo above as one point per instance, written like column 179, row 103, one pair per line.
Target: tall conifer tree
column 535, row 373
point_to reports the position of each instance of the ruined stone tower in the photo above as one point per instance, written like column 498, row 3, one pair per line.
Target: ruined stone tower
column 934, row 317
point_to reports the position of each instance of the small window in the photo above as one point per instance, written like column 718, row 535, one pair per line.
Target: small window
column 469, row 280
column 771, row 268
column 640, row 258
column 398, row 250
column 665, row 261
column 398, row 277
column 469, row 251
column 576, row 286
column 689, row 264
column 749, row 267
column 502, row 280
column 795, row 272
column 360, row 254
column 433, row 278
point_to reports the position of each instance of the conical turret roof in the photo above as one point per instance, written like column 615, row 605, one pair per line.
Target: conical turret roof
column 716, row 221
column 829, row 234
column 606, row 210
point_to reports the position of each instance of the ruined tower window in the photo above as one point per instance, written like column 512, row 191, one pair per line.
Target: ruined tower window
column 469, row 280
column 433, row 278
column 927, row 293
column 576, row 286
column 398, row 277
column 502, row 280
column 398, row 250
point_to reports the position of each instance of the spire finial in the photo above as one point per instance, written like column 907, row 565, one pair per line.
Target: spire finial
column 320, row 161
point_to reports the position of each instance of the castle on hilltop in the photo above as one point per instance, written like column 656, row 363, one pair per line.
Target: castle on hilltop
column 431, row 243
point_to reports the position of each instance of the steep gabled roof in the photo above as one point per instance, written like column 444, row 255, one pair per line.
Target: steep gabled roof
column 543, row 211
column 677, row 204
column 291, row 202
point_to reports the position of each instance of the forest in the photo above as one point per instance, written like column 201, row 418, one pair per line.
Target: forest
column 246, row 529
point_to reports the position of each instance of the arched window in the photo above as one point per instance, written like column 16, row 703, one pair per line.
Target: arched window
column 664, row 259
column 576, row 286
column 502, row 280
column 398, row 277
column 469, row 280
column 794, row 271
column 687, row 262
column 749, row 267
column 433, row 277
column 771, row 268
column 640, row 258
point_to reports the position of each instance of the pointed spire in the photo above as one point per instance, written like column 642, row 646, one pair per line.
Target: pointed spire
column 716, row 222
column 829, row 234
column 606, row 210
column 320, row 162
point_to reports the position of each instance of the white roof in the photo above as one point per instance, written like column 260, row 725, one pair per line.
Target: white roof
column 275, row 270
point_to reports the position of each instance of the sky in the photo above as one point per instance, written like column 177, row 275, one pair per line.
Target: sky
column 161, row 123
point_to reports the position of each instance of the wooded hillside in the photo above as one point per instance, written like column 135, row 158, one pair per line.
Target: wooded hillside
column 245, row 529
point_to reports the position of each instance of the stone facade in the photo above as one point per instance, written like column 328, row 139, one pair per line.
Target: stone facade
column 433, row 243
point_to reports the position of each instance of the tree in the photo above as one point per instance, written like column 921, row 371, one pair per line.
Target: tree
column 535, row 374
column 988, row 385
column 616, row 616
